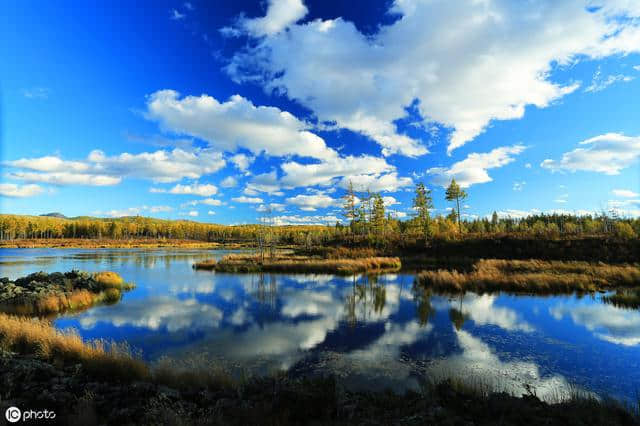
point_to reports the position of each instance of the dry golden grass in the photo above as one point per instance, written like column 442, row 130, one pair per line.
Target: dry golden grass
column 38, row 337
column 209, row 264
column 109, row 279
column 300, row 264
column 533, row 276
column 111, row 286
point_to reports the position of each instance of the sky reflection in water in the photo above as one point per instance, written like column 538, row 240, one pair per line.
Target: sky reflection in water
column 370, row 332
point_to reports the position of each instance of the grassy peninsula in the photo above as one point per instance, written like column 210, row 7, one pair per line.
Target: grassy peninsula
column 43, row 294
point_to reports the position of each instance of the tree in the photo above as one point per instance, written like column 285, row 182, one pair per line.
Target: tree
column 349, row 205
column 378, row 215
column 494, row 221
column 422, row 202
column 455, row 193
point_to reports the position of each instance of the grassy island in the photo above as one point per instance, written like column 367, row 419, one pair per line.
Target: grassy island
column 533, row 276
column 41, row 293
column 300, row 264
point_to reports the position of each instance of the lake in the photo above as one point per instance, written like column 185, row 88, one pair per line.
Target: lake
column 370, row 332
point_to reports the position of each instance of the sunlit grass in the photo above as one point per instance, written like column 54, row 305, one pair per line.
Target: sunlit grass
column 109, row 289
column 300, row 264
column 533, row 276
column 38, row 337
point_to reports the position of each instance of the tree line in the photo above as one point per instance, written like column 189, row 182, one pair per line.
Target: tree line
column 367, row 221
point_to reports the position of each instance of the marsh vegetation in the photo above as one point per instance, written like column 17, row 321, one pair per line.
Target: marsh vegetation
column 301, row 264
column 43, row 294
column 533, row 276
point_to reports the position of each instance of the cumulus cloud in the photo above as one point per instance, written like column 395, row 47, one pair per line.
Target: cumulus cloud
column 248, row 200
column 19, row 191
column 229, row 182
column 203, row 190
column 280, row 14
column 67, row 178
column 305, row 220
column 625, row 193
column 468, row 65
column 608, row 154
column 236, row 123
column 101, row 170
column 473, row 169
column 274, row 207
column 365, row 172
column 242, row 161
column 265, row 182
column 313, row 202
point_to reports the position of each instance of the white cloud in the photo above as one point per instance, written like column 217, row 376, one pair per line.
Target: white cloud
column 49, row 164
column 389, row 201
column 637, row 67
column 229, row 182
column 468, row 65
column 67, row 178
column 305, row 220
column 599, row 83
column 265, row 182
column 276, row 207
column 206, row 201
column 236, row 123
column 193, row 213
column 608, row 154
column 313, row 202
column 133, row 211
column 161, row 166
column 203, row 190
column 527, row 166
column 562, row 198
column 625, row 193
column 473, row 169
column 280, row 14
column 242, row 161
column 248, row 200
column 211, row 212
column 19, row 191
column 101, row 170
column 519, row 186
column 365, row 172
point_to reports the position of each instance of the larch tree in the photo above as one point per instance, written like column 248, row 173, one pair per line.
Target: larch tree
column 455, row 193
column 422, row 203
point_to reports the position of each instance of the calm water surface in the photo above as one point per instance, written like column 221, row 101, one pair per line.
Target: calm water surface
column 369, row 332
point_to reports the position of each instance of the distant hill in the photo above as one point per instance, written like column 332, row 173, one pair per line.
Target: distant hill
column 55, row 214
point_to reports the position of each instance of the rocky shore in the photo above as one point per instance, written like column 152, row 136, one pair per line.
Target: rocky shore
column 41, row 293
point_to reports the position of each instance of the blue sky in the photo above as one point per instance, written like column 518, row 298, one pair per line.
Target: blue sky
column 213, row 110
